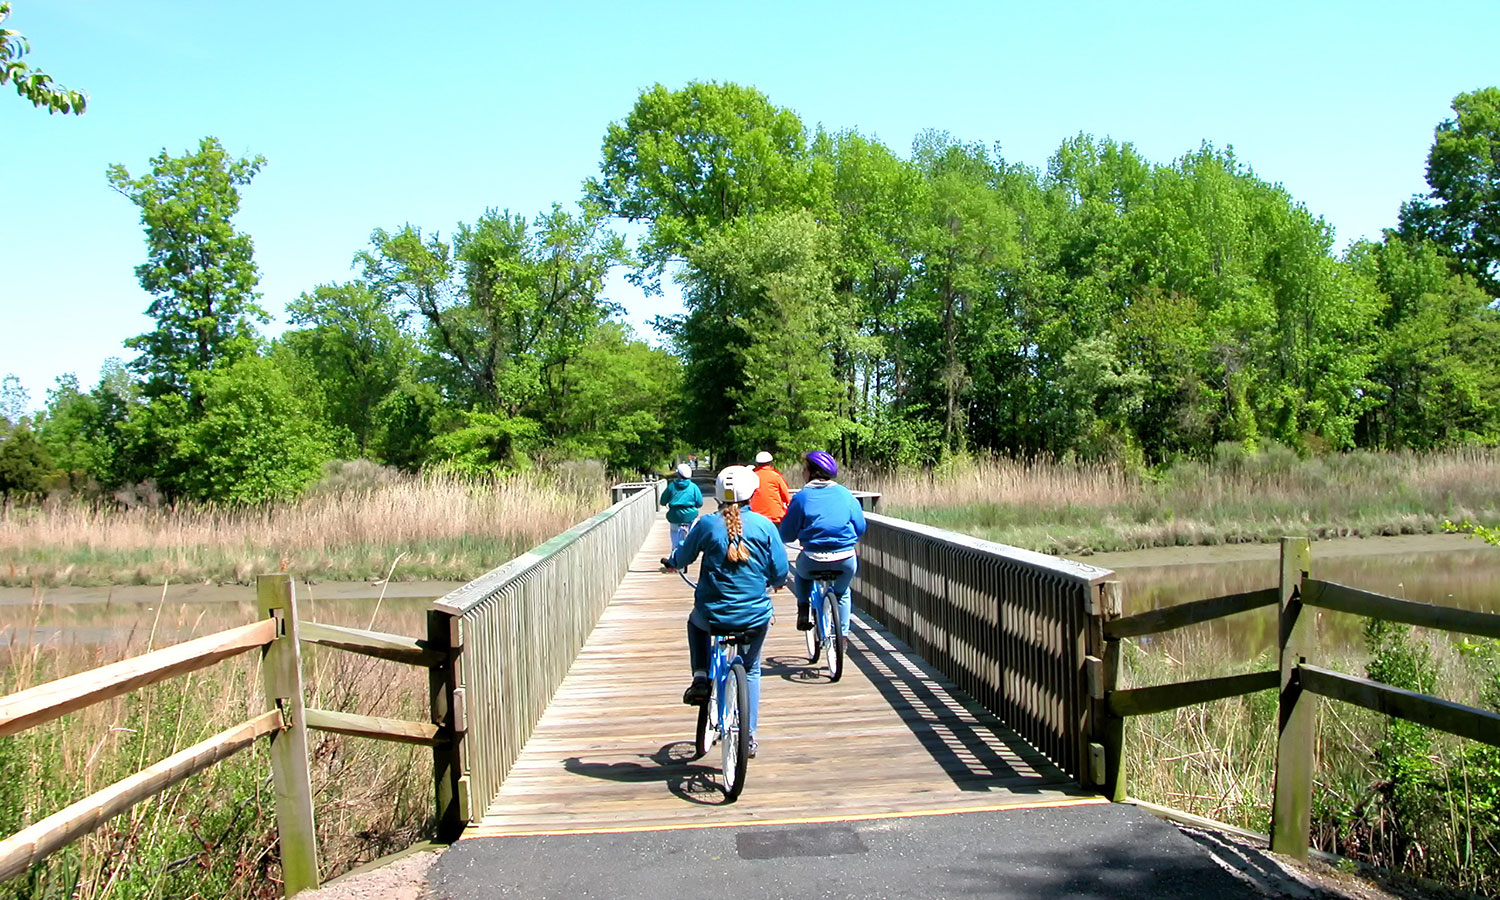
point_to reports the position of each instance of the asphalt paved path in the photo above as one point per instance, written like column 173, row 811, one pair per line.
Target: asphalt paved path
column 1103, row 851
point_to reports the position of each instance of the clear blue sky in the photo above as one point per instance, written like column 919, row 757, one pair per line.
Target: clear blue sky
column 374, row 114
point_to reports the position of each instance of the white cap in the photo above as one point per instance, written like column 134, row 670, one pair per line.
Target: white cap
column 762, row 458
column 685, row 470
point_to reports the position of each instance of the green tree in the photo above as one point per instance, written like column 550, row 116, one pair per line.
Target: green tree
column 355, row 353
column 25, row 465
column 622, row 405
column 33, row 84
column 506, row 306
column 688, row 161
column 1462, row 211
column 758, row 335
column 200, row 270
column 253, row 440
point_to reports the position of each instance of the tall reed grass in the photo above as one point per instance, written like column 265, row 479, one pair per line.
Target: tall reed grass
column 1079, row 508
column 447, row 528
column 213, row 835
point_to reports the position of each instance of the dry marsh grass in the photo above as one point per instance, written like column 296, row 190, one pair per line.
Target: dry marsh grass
column 213, row 835
column 1077, row 509
column 446, row 527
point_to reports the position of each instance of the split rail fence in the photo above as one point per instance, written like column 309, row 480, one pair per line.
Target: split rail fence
column 524, row 623
column 1298, row 679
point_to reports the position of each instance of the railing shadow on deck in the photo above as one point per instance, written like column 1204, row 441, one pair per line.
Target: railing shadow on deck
column 972, row 746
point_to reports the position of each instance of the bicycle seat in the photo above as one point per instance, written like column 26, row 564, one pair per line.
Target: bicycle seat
column 825, row 576
column 739, row 638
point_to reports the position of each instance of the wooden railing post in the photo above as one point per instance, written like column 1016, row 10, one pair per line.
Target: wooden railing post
column 1107, row 738
column 450, row 716
column 1291, row 809
column 281, row 669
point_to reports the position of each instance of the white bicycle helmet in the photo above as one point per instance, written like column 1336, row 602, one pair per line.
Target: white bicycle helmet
column 736, row 483
column 685, row 470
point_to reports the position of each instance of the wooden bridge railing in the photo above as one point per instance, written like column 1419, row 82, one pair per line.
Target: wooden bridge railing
column 520, row 628
column 1011, row 627
column 1299, row 681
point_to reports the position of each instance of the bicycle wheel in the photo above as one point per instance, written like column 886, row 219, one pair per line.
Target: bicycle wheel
column 814, row 642
column 734, row 731
column 708, row 721
column 834, row 641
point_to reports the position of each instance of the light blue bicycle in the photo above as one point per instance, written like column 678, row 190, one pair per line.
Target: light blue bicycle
column 723, row 720
column 826, row 637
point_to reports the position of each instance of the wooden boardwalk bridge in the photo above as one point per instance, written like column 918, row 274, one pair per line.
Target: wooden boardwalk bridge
column 614, row 750
column 980, row 677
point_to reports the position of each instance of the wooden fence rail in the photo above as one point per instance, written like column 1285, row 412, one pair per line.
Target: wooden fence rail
column 1299, row 681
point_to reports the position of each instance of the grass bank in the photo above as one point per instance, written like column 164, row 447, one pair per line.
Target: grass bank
column 441, row 528
column 213, row 835
column 1078, row 509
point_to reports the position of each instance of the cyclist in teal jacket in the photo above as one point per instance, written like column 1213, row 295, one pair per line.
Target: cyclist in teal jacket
column 743, row 559
column 683, row 500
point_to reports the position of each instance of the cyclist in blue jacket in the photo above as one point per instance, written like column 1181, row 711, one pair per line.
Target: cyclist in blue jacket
column 828, row 521
column 682, row 499
column 743, row 559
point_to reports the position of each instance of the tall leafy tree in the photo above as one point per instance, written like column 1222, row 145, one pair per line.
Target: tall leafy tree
column 757, row 336
column 354, row 351
column 688, row 161
column 1462, row 211
column 508, row 307
column 31, row 83
column 199, row 269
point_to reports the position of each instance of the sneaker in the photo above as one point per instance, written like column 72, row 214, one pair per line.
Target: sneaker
column 804, row 617
column 697, row 692
column 754, row 748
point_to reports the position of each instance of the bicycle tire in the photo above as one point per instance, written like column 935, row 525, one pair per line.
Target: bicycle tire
column 734, row 731
column 834, row 643
column 814, row 642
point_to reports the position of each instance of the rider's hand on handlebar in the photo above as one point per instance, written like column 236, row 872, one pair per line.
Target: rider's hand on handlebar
column 666, row 564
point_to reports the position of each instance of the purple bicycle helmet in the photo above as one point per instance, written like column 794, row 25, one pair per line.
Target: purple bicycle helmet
column 824, row 462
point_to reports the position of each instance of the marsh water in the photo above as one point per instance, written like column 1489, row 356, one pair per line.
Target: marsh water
column 1446, row 572
column 1441, row 569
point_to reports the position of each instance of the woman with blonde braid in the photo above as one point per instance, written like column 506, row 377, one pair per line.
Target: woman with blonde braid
column 743, row 559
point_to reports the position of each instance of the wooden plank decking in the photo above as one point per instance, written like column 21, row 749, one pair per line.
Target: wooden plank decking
column 614, row 749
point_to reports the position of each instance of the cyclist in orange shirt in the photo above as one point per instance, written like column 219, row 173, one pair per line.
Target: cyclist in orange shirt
column 773, row 495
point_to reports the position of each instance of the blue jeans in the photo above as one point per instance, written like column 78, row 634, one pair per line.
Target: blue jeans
column 802, row 582
column 700, row 642
column 678, row 532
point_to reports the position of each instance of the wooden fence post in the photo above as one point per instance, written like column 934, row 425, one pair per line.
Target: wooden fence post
column 1291, row 809
column 281, row 669
column 449, row 713
column 1107, row 744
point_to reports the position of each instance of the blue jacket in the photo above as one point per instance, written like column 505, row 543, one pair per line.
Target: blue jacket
column 682, row 499
column 824, row 517
column 734, row 597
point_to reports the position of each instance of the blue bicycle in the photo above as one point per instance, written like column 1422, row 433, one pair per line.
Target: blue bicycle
column 826, row 633
column 723, row 719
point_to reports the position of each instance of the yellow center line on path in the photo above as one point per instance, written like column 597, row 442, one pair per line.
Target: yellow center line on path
column 494, row 831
